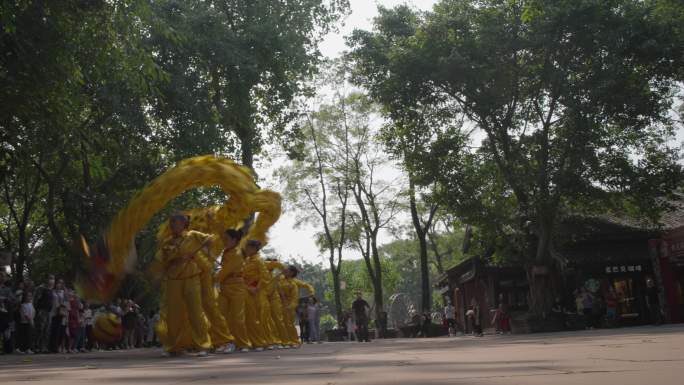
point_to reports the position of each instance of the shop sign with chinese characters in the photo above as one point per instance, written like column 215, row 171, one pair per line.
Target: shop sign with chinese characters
column 623, row 269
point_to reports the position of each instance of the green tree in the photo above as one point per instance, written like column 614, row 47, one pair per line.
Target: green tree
column 235, row 69
column 572, row 98
column 72, row 114
column 318, row 184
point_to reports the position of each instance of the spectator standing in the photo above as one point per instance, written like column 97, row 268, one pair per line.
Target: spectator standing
column 349, row 325
column 303, row 322
column 501, row 319
column 140, row 328
column 587, row 308
column 27, row 315
column 74, row 322
column 58, row 317
column 450, row 316
column 653, row 302
column 427, row 322
column 558, row 312
column 611, row 306
column 7, row 308
column 361, row 308
column 43, row 302
column 88, row 321
column 313, row 310
column 381, row 324
column 154, row 319
column 129, row 321
column 475, row 316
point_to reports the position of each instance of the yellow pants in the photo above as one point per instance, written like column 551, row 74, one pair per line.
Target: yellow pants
column 231, row 302
column 277, row 316
column 255, row 326
column 183, row 305
column 289, row 321
column 270, row 329
column 219, row 330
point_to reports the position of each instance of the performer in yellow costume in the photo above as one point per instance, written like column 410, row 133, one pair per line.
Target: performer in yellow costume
column 183, row 291
column 233, row 292
column 108, row 260
column 256, row 275
column 276, row 305
column 289, row 287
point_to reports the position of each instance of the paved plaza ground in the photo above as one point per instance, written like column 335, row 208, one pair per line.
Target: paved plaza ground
column 641, row 355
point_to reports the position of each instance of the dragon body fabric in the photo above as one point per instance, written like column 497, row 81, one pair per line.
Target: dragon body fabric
column 109, row 259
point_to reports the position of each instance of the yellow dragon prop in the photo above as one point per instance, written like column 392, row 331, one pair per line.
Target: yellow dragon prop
column 108, row 260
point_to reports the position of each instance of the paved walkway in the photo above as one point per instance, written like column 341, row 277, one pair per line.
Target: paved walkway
column 631, row 356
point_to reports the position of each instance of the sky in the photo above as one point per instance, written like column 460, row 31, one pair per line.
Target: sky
column 298, row 243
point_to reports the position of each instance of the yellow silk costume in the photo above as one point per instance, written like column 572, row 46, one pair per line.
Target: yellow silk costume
column 274, row 300
column 182, row 309
column 183, row 293
column 289, row 288
column 232, row 297
column 258, row 327
column 219, row 330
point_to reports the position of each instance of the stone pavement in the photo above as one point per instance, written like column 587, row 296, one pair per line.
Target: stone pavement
column 630, row 356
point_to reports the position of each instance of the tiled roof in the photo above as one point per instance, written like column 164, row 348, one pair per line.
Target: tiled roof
column 672, row 218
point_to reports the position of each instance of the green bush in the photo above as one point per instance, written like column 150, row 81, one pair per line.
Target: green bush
column 328, row 322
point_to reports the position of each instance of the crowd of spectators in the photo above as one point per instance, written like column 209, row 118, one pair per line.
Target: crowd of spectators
column 51, row 318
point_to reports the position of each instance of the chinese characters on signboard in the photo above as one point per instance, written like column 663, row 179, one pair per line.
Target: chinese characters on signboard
column 623, row 269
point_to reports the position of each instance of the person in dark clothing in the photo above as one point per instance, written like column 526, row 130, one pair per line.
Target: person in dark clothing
column 427, row 321
column 58, row 329
column 7, row 311
column 558, row 312
column 303, row 323
column 653, row 302
column 43, row 300
column 382, row 324
column 361, row 309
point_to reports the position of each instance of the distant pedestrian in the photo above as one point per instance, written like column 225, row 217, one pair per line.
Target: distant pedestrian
column 381, row 324
column 350, row 326
column 361, row 310
column 313, row 310
column 88, row 320
column 611, row 306
column 303, row 322
column 587, row 308
column 426, row 325
column 475, row 316
column 558, row 312
column 653, row 302
column 450, row 316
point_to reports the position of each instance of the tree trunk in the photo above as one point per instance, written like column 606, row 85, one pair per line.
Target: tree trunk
column 541, row 274
column 425, row 300
column 377, row 284
column 337, row 293
column 336, row 282
column 438, row 256
column 425, row 290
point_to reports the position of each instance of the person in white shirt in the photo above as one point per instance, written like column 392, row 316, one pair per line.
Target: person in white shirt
column 349, row 323
column 450, row 316
column 88, row 320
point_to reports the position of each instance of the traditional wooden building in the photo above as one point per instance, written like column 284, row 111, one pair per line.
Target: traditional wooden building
column 668, row 251
column 474, row 279
column 604, row 252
